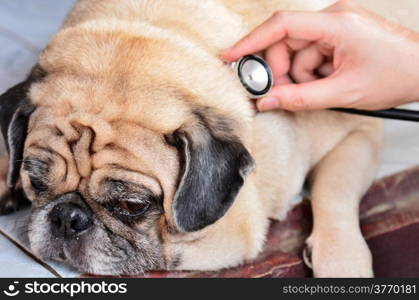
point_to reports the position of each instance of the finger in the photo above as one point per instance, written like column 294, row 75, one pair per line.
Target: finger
column 296, row 45
column 305, row 63
column 309, row 26
column 278, row 58
column 326, row 69
column 283, row 80
column 342, row 5
column 313, row 95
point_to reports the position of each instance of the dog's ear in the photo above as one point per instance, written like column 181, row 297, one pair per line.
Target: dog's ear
column 213, row 170
column 15, row 110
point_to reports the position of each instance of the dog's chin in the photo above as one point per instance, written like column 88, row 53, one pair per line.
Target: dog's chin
column 76, row 253
column 69, row 252
column 96, row 251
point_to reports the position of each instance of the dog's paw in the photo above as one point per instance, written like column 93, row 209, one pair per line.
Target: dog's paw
column 11, row 201
column 345, row 256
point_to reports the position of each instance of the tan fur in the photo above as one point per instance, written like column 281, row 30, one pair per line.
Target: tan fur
column 4, row 161
column 126, row 73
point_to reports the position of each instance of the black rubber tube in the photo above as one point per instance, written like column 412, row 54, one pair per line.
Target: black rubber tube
column 393, row 114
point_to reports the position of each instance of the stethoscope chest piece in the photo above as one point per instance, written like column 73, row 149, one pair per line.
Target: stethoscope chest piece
column 255, row 75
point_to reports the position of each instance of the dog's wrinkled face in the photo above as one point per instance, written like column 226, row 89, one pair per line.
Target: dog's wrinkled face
column 99, row 209
column 116, row 157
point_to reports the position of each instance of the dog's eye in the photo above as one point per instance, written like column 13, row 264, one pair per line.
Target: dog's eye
column 133, row 208
column 38, row 184
column 37, row 171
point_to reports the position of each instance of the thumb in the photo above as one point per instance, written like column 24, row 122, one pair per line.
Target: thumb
column 319, row 94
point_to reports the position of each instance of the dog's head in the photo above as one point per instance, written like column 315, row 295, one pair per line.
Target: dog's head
column 122, row 143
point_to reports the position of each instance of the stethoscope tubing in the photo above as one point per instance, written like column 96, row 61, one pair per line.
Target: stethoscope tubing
column 392, row 114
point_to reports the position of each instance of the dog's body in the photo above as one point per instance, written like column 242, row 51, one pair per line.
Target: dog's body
column 135, row 91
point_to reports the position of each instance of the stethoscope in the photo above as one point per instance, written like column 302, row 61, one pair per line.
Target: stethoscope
column 256, row 77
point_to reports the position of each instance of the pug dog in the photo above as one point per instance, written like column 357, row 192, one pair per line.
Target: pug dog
column 139, row 149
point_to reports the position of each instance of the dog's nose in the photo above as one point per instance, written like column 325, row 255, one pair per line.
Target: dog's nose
column 70, row 219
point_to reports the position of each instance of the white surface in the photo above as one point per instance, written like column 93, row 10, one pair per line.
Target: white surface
column 25, row 26
column 15, row 263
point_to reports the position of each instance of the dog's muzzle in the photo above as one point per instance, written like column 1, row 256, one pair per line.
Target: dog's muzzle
column 70, row 218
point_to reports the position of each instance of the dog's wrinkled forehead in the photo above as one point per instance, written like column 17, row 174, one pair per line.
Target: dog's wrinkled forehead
column 98, row 103
column 82, row 150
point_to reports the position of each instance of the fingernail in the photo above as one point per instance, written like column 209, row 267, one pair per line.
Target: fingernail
column 224, row 54
column 268, row 104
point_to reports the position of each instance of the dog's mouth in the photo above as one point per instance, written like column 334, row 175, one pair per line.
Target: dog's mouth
column 67, row 231
column 61, row 257
column 61, row 230
column 69, row 252
column 96, row 251
column 53, row 240
column 66, row 251
column 80, row 253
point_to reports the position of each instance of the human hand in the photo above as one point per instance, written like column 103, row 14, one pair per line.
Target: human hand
column 343, row 56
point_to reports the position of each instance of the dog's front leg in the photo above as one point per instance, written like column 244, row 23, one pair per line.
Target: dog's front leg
column 336, row 247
